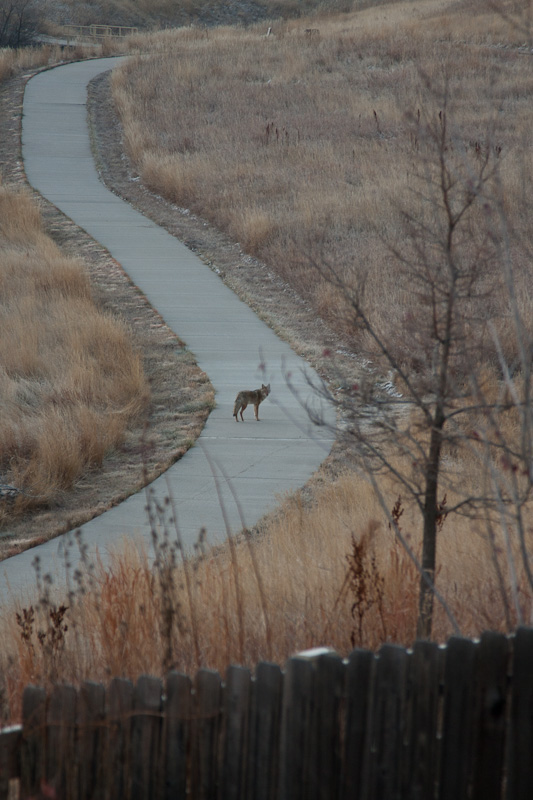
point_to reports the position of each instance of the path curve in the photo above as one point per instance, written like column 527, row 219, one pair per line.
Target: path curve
column 261, row 460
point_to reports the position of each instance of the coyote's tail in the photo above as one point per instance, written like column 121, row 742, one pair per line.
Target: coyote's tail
column 236, row 407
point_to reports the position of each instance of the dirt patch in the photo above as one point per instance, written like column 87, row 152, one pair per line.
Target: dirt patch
column 181, row 393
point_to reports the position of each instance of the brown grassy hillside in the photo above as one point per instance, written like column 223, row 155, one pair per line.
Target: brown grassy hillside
column 305, row 147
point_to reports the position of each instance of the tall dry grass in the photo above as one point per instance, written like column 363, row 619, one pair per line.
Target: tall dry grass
column 304, row 147
column 70, row 380
column 15, row 60
column 333, row 574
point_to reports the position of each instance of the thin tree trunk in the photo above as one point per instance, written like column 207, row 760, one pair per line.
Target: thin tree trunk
column 429, row 541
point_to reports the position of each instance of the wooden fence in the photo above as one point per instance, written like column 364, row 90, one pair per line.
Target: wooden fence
column 431, row 723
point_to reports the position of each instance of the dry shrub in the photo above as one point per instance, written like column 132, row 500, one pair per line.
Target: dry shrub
column 71, row 381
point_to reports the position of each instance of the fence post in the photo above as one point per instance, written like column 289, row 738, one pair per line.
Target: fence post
column 33, row 751
column 264, row 731
column 236, row 711
column 119, row 707
column 457, row 729
column 177, row 726
column 386, row 729
column 206, row 733
column 492, row 664
column 519, row 761
column 90, row 720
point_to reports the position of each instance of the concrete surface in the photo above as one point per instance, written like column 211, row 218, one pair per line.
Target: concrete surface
column 261, row 460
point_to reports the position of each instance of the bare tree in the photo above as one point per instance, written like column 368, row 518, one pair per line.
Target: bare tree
column 18, row 20
column 455, row 264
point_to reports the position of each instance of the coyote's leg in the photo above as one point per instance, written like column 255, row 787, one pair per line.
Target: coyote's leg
column 243, row 407
column 256, row 409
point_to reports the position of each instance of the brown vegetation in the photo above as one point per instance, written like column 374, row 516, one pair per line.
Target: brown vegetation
column 310, row 147
column 303, row 147
column 181, row 395
column 71, row 381
column 333, row 574
column 14, row 60
column 298, row 146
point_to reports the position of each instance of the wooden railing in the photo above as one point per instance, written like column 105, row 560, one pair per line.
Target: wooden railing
column 430, row 723
column 97, row 31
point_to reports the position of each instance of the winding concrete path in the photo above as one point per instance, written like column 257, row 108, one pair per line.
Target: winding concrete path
column 261, row 460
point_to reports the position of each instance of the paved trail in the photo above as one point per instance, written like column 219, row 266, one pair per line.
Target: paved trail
column 261, row 460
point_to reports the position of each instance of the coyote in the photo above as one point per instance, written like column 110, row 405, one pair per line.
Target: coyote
column 243, row 398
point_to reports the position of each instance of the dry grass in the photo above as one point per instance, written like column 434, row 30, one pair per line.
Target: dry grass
column 297, row 144
column 71, row 383
column 303, row 148
column 333, row 574
column 13, row 61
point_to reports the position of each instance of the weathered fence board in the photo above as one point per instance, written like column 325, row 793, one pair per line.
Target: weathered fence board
column 145, row 738
column 205, row 735
column 326, row 731
column 235, row 714
column 119, row 707
column 492, row 661
column 177, row 727
column 295, row 723
column 387, row 723
column 60, row 751
column 520, row 750
column 90, row 730
column 430, row 723
column 457, row 726
column 33, row 749
column 263, row 737
column 358, row 698
column 423, row 699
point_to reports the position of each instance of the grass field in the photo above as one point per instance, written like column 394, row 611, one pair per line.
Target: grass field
column 303, row 146
column 71, row 382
